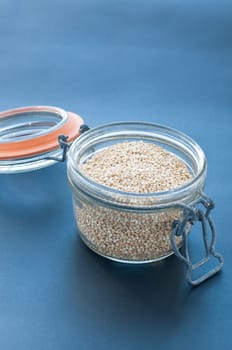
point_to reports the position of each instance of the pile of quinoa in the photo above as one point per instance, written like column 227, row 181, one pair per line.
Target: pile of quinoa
column 136, row 167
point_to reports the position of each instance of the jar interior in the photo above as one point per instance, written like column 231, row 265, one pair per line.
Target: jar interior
column 188, row 156
column 92, row 149
column 170, row 139
column 102, row 137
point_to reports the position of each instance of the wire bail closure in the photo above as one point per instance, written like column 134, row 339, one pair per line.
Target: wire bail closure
column 181, row 228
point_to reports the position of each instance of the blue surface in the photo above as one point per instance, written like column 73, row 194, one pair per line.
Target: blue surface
column 168, row 62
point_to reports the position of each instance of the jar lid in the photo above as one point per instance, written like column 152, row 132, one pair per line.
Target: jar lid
column 29, row 136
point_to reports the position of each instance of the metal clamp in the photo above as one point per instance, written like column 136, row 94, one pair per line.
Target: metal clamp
column 182, row 228
column 84, row 128
column 64, row 145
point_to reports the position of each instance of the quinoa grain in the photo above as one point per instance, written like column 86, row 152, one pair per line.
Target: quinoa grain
column 136, row 167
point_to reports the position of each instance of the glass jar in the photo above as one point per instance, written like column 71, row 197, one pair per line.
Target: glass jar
column 126, row 227
column 133, row 227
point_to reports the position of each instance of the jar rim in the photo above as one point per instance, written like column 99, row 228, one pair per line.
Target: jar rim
column 78, row 179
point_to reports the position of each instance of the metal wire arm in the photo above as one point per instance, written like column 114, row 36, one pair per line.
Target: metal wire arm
column 181, row 228
column 64, row 145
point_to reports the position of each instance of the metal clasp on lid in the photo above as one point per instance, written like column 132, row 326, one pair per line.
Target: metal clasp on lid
column 181, row 228
column 64, row 145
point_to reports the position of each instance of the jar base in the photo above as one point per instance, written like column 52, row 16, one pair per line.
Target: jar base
column 124, row 261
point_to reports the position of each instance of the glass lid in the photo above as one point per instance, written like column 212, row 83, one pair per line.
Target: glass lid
column 29, row 136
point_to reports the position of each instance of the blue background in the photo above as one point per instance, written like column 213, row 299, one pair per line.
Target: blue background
column 168, row 62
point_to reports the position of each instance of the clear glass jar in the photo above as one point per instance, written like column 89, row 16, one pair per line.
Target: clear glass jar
column 132, row 227
column 126, row 227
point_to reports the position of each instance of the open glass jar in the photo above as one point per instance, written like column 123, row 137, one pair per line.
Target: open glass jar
column 133, row 227
column 122, row 226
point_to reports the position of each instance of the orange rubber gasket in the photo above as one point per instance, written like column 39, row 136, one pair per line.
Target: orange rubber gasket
column 39, row 144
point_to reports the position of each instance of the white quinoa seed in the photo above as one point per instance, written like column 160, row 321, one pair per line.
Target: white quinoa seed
column 138, row 167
